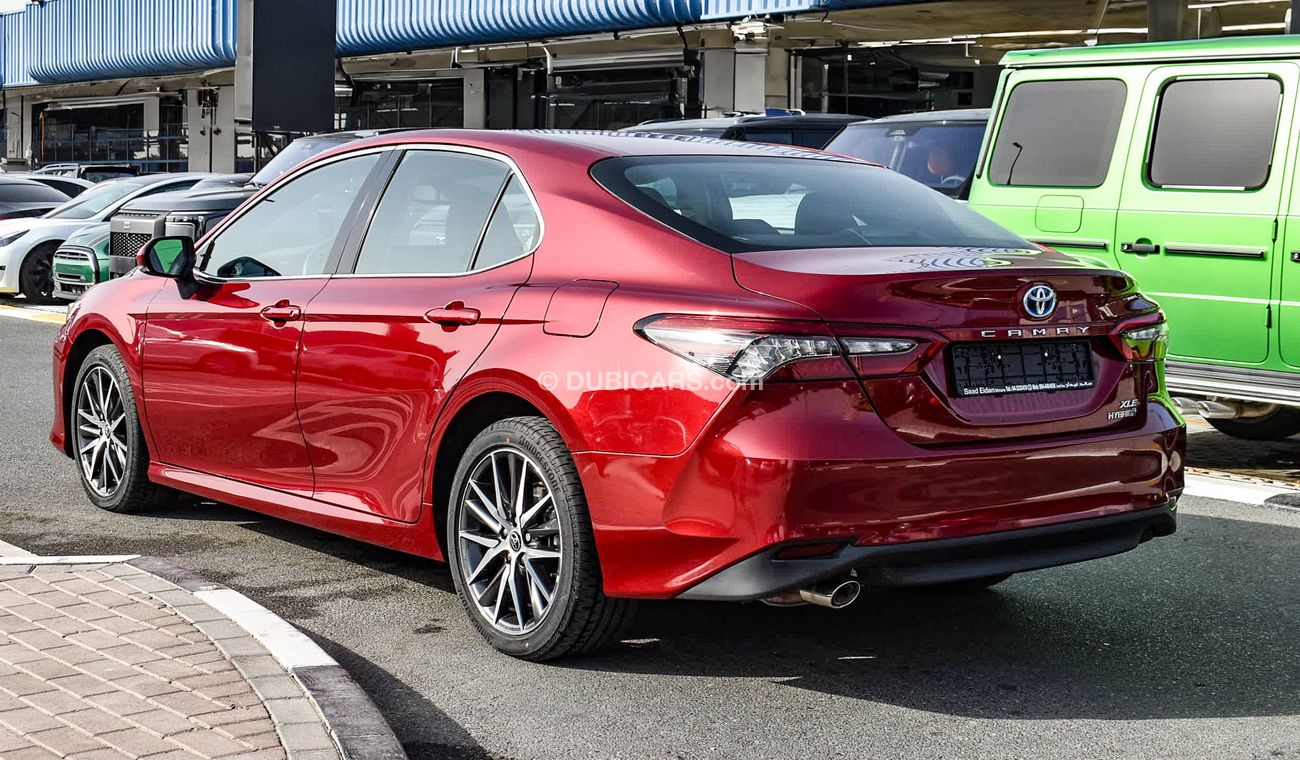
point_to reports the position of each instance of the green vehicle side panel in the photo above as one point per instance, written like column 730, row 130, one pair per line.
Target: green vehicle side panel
column 1227, row 310
column 1217, row 304
column 1287, row 266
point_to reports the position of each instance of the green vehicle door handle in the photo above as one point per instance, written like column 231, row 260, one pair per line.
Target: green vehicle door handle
column 1140, row 248
column 1295, row 256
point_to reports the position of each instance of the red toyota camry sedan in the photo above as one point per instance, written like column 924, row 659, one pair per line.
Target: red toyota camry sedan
column 587, row 368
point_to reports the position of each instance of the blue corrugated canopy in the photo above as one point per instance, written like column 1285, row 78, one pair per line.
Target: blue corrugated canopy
column 86, row 40
column 78, row 40
column 366, row 26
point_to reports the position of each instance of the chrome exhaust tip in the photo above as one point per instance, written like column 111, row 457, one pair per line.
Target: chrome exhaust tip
column 835, row 595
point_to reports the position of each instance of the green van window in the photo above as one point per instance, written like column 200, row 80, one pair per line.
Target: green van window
column 1058, row 133
column 1215, row 133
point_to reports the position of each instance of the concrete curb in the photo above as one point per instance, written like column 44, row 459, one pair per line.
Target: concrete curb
column 355, row 723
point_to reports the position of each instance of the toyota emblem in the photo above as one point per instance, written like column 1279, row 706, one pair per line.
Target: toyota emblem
column 1039, row 301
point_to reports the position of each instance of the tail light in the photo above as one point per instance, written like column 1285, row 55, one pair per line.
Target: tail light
column 881, row 355
column 756, row 350
column 1144, row 343
column 749, row 350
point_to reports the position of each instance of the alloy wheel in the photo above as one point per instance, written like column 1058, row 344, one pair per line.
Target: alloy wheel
column 509, row 540
column 102, row 443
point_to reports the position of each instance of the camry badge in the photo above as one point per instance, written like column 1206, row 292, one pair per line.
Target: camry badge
column 1039, row 301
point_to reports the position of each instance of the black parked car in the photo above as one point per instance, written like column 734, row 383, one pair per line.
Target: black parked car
column 193, row 212
column 69, row 186
column 20, row 197
column 810, row 130
column 935, row 148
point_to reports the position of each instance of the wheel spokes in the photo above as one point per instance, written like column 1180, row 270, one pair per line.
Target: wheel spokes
column 520, row 491
column 507, row 524
column 533, row 511
column 480, row 513
column 486, row 560
column 536, row 586
column 101, row 439
column 512, row 579
column 493, row 505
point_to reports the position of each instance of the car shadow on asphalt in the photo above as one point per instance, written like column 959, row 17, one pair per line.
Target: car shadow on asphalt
column 1278, row 460
column 1201, row 624
column 439, row 735
column 1193, row 627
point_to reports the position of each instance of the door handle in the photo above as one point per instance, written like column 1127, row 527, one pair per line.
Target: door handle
column 282, row 312
column 453, row 314
column 1140, row 249
column 1295, row 256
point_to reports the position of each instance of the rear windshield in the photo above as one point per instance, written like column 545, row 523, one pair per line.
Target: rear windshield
column 941, row 156
column 739, row 204
column 803, row 138
column 97, row 199
column 23, row 192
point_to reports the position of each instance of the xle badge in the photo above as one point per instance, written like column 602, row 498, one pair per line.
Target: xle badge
column 1127, row 408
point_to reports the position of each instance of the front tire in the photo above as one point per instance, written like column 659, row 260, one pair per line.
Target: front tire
column 107, row 441
column 1277, row 425
column 36, row 276
column 520, row 546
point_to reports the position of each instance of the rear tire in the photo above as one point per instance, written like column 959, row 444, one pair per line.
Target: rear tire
column 520, row 546
column 1277, row 425
column 107, row 442
column 36, row 275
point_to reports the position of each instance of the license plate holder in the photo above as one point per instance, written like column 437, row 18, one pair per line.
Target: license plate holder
column 1031, row 366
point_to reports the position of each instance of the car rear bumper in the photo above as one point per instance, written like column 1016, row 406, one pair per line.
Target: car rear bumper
column 923, row 563
column 814, row 463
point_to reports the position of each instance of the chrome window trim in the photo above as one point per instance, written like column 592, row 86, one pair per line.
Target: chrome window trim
column 513, row 171
column 511, row 166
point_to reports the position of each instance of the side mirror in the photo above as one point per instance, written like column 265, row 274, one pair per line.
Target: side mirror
column 171, row 257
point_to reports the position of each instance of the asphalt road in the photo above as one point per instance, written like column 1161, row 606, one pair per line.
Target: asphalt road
column 1186, row 648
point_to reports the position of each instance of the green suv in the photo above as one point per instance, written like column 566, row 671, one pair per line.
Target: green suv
column 1177, row 163
column 81, row 262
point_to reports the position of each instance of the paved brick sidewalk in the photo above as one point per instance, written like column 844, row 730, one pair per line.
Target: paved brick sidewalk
column 101, row 661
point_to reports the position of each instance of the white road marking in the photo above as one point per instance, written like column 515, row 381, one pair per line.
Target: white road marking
column 31, row 559
column 1241, row 491
column 55, row 315
column 9, row 550
column 290, row 646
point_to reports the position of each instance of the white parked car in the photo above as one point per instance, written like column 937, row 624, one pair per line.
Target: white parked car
column 27, row 245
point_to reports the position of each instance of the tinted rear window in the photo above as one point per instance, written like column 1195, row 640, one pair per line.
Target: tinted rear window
column 1215, row 133
column 21, row 192
column 1058, row 134
column 740, row 204
column 940, row 156
column 804, row 138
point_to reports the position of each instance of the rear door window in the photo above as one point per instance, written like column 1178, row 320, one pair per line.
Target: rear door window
column 1215, row 133
column 433, row 214
column 515, row 228
column 1058, row 133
